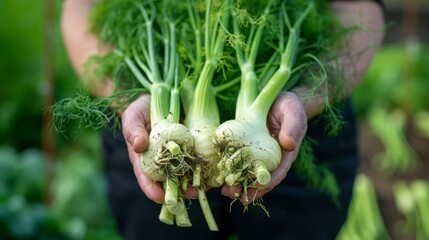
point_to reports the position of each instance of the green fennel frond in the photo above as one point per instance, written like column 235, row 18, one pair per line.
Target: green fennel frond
column 80, row 112
column 226, row 63
column 71, row 115
column 236, row 40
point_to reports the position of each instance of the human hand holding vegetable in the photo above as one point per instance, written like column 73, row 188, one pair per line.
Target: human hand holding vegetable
column 136, row 129
column 357, row 57
column 287, row 121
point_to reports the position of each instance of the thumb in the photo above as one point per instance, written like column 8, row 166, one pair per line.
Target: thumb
column 292, row 131
column 134, row 128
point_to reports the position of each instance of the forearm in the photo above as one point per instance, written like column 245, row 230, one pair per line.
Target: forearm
column 353, row 61
column 81, row 44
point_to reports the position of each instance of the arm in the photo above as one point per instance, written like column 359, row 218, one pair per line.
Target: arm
column 289, row 114
column 361, row 46
column 80, row 43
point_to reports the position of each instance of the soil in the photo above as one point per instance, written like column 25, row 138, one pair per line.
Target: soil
column 369, row 147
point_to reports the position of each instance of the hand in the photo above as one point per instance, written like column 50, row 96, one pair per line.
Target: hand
column 287, row 120
column 136, row 129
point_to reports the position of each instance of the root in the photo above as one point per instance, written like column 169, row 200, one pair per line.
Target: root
column 173, row 161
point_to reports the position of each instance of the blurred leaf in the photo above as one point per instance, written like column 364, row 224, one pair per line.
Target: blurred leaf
column 23, row 214
column 421, row 121
column 412, row 200
column 77, row 228
column 25, row 219
column 20, row 71
column 8, row 165
column 32, row 174
column 79, row 189
column 398, row 78
column 389, row 127
column 23, row 173
column 364, row 220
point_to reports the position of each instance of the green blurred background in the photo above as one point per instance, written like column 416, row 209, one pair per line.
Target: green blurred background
column 52, row 187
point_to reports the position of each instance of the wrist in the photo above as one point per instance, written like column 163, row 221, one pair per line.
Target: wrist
column 313, row 104
column 123, row 105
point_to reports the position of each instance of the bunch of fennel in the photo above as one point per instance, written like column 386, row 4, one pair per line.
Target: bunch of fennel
column 196, row 57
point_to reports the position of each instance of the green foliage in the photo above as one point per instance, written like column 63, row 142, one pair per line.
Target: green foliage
column 79, row 191
column 25, row 172
column 83, row 111
column 364, row 220
column 397, row 78
column 124, row 24
column 393, row 95
column 421, row 121
column 20, row 71
column 23, row 215
column 128, row 34
column 412, row 201
column 79, row 208
column 389, row 127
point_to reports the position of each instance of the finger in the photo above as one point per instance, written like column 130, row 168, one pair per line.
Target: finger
column 233, row 192
column 254, row 193
column 151, row 189
column 140, row 142
column 134, row 131
column 277, row 176
column 292, row 131
column 288, row 119
column 287, row 142
column 191, row 193
column 134, row 126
